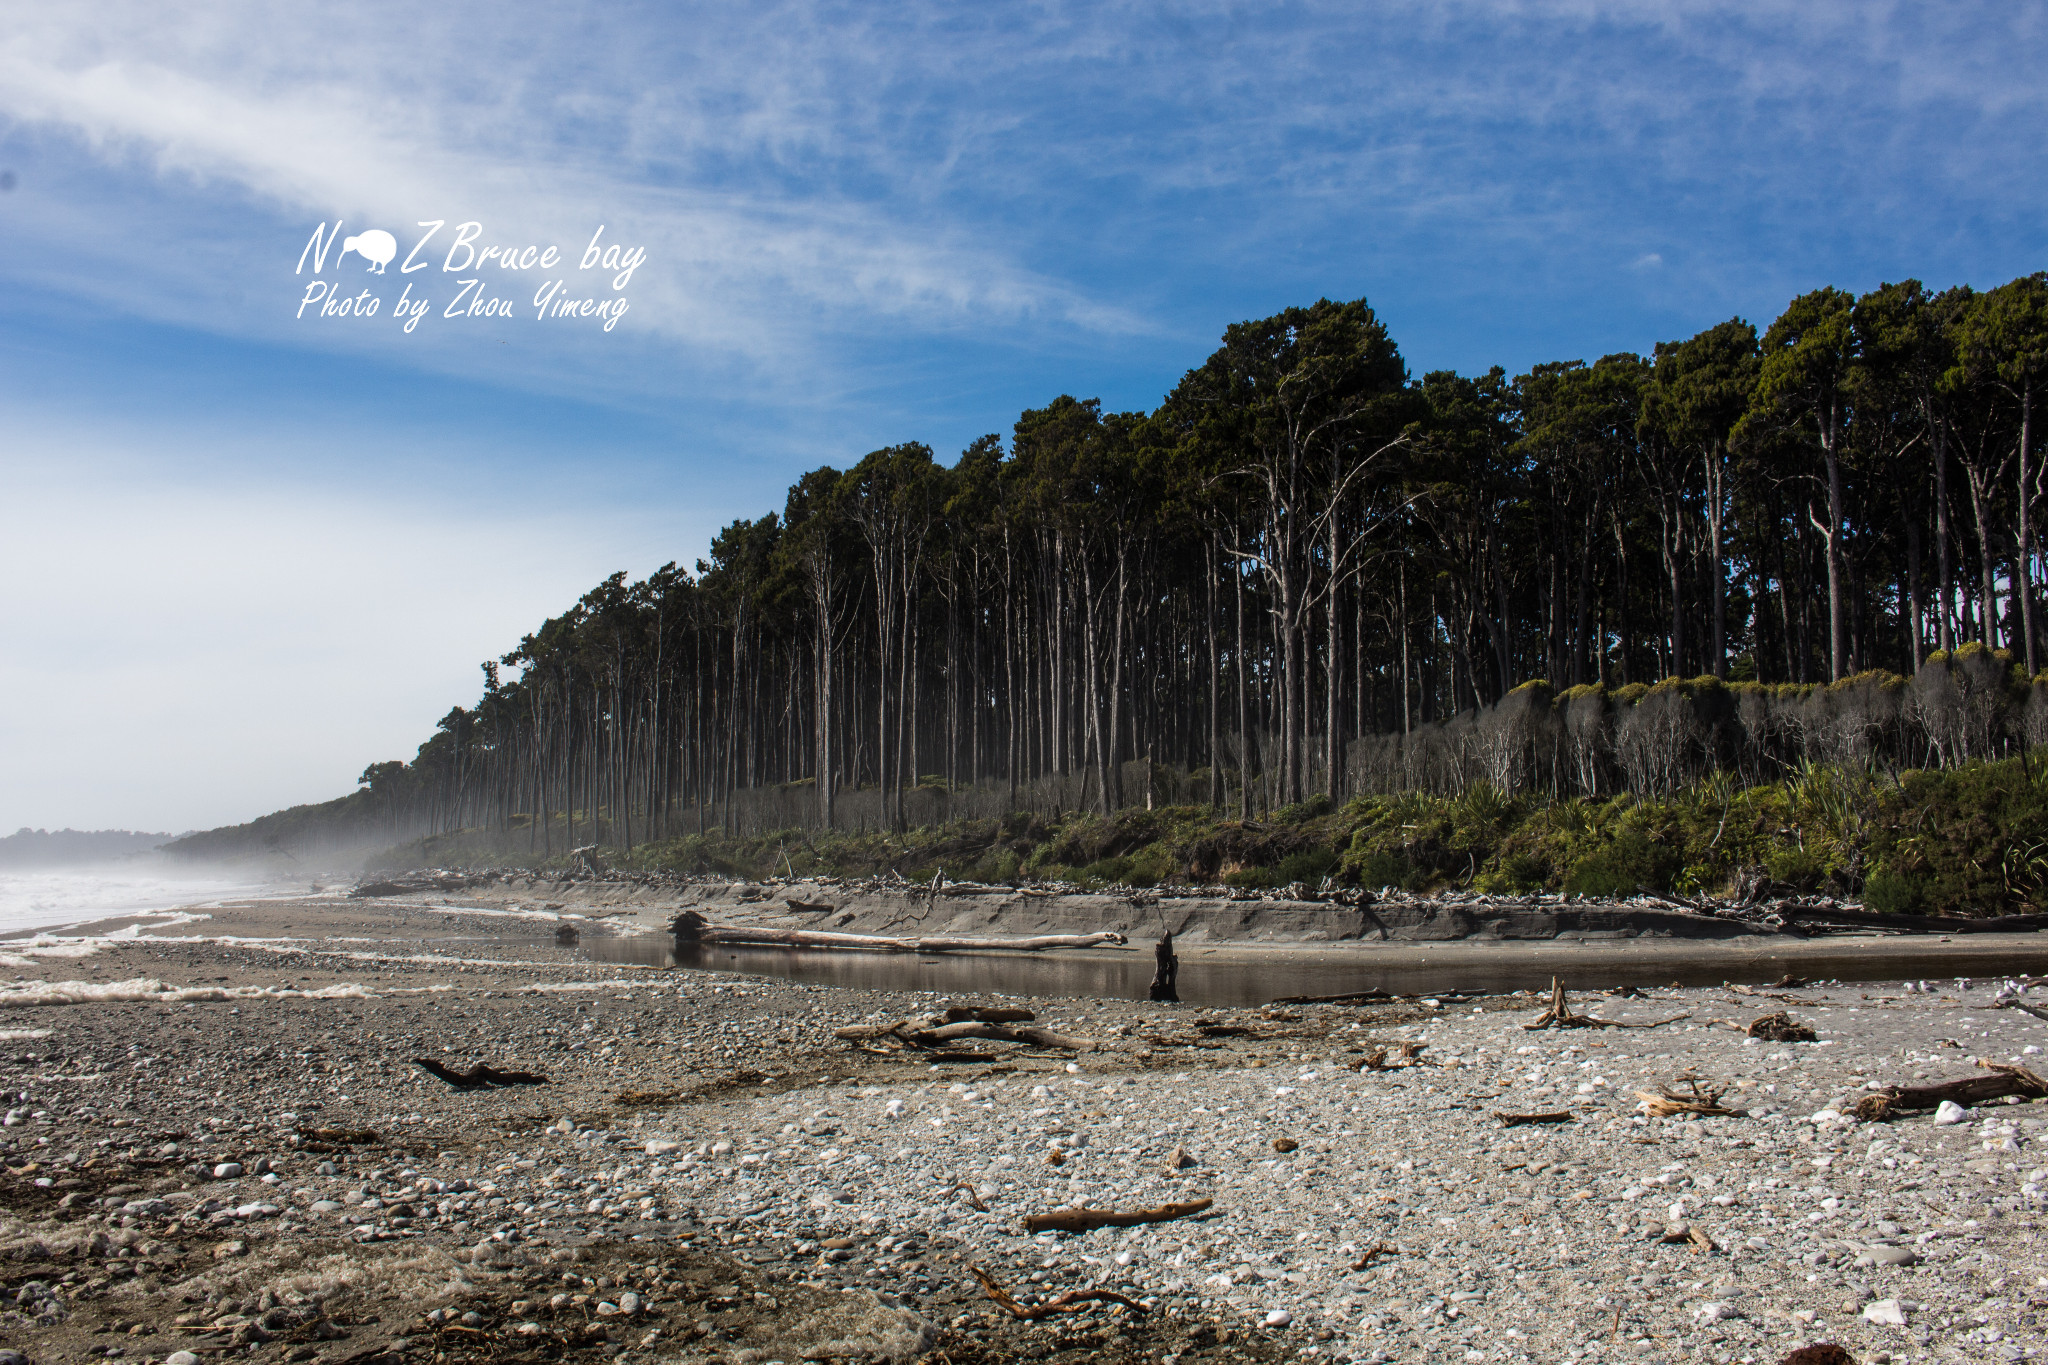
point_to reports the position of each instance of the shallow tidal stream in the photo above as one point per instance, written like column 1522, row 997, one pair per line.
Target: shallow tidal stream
column 1239, row 976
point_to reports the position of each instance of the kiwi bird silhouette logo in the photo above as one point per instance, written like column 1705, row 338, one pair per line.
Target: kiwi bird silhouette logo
column 376, row 246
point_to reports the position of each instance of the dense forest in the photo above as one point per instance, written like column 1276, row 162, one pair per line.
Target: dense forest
column 1307, row 573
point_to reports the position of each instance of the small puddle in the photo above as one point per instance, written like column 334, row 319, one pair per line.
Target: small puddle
column 1226, row 977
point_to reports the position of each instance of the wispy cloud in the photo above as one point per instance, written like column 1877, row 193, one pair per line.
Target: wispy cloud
column 804, row 173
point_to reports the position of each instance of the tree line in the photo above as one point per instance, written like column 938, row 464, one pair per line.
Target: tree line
column 1300, row 552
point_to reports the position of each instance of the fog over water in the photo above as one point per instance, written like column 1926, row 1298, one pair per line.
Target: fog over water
column 45, row 899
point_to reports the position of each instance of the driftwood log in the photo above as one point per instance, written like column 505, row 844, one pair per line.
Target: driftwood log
column 935, row 1033
column 1996, row 1082
column 1086, row 1220
column 1070, row 1301
column 1700, row 1097
column 1369, row 997
column 1915, row 924
column 1508, row 1120
column 1780, row 1028
column 478, row 1077
column 691, row 927
column 1561, row 1015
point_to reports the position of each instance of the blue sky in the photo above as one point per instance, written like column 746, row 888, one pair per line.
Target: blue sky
column 252, row 552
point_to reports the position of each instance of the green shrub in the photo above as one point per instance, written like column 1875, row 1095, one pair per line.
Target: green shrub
column 1310, row 865
column 1630, row 863
column 1515, row 872
column 1796, row 867
column 1103, row 871
column 1253, row 878
column 1894, row 893
column 1301, row 812
column 1378, row 868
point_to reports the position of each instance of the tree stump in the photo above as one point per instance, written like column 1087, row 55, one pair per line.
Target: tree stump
column 1166, row 971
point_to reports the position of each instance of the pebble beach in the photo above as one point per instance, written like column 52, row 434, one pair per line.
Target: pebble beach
column 220, row 1144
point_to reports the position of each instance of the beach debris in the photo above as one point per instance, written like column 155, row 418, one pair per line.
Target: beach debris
column 692, row 928
column 1508, row 1120
column 1830, row 913
column 334, row 1139
column 809, row 907
column 973, row 1195
column 1087, row 1220
column 1678, row 1234
column 2010, row 1003
column 1067, row 1301
column 1372, row 1253
column 1178, row 1160
column 567, row 933
column 1997, row 1081
column 1780, row 1028
column 478, row 1077
column 994, row 1024
column 1820, row 1353
column 1403, row 1056
column 1559, row 1014
column 417, row 883
column 1285, row 1145
column 1369, row 997
column 1700, row 1098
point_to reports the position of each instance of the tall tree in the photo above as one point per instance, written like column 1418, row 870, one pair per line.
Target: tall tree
column 1803, row 380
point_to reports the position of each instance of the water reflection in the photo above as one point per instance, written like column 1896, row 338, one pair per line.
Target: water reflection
column 1253, row 976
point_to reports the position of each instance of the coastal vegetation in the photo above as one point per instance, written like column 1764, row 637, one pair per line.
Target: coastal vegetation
column 1971, row 840
column 1566, row 612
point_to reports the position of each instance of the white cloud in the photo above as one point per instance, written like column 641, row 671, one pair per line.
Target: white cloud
column 356, row 114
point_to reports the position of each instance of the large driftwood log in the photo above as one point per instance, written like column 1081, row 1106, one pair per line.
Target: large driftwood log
column 1085, row 1220
column 478, row 1077
column 1996, row 1082
column 1001, row 1033
column 1917, row 924
column 691, row 927
column 935, row 1031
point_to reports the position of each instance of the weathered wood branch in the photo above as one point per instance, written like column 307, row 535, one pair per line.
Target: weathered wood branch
column 479, row 1077
column 1001, row 1033
column 1561, row 1015
column 1996, row 1082
column 1069, row 1301
column 935, row 1031
column 1086, row 1220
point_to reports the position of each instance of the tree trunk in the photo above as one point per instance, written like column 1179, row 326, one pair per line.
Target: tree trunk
column 2023, row 560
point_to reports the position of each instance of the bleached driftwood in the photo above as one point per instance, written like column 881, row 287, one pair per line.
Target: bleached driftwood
column 691, row 927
